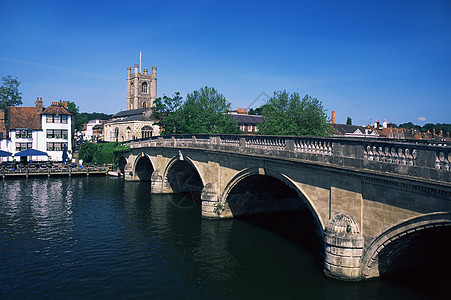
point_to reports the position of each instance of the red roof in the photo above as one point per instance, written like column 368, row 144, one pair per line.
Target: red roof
column 56, row 110
column 24, row 118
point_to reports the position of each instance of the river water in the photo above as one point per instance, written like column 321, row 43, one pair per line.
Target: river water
column 101, row 237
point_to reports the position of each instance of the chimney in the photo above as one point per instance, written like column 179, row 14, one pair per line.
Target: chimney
column 38, row 105
column 384, row 124
column 378, row 124
column 65, row 104
column 391, row 124
column 332, row 119
column 242, row 111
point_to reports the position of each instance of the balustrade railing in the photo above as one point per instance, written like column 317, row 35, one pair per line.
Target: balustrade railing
column 428, row 154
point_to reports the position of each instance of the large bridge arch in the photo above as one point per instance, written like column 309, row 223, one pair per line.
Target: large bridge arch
column 370, row 266
column 143, row 167
column 256, row 171
column 181, row 175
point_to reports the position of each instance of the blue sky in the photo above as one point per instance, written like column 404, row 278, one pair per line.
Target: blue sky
column 368, row 60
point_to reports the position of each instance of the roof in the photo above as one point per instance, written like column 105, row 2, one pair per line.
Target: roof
column 24, row 118
column 140, row 114
column 248, row 119
column 127, row 113
column 56, row 110
column 347, row 129
column 133, row 118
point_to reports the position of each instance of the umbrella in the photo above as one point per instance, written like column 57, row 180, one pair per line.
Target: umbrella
column 64, row 153
column 4, row 153
column 30, row 152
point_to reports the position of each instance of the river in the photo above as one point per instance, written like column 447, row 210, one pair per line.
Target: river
column 101, row 237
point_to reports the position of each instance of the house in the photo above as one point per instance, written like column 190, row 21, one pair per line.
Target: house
column 90, row 130
column 247, row 123
column 353, row 130
column 44, row 129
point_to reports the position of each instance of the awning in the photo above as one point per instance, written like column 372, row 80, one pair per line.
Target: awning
column 30, row 152
column 5, row 153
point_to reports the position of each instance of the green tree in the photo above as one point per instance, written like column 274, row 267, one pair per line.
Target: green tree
column 168, row 111
column 204, row 111
column 290, row 115
column 101, row 153
column 255, row 111
column 78, row 118
column 348, row 121
column 9, row 93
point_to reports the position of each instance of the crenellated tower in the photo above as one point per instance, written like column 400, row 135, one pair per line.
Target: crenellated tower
column 141, row 88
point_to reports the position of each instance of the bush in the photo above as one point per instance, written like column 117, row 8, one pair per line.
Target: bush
column 105, row 153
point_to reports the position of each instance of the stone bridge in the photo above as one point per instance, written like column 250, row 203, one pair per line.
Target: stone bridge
column 370, row 198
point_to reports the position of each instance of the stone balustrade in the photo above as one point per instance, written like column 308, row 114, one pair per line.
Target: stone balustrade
column 423, row 159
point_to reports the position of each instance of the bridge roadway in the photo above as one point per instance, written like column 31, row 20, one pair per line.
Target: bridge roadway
column 370, row 198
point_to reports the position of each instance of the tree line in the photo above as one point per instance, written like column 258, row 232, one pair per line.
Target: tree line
column 207, row 111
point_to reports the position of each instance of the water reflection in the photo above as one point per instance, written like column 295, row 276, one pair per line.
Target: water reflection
column 99, row 237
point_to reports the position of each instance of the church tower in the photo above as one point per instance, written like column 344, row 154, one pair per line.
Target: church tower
column 141, row 88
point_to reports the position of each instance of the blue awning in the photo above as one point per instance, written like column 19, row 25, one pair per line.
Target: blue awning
column 5, row 153
column 30, row 152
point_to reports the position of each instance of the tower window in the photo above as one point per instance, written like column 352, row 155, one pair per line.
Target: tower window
column 144, row 87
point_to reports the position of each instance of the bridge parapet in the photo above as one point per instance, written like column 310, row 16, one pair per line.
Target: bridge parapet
column 422, row 159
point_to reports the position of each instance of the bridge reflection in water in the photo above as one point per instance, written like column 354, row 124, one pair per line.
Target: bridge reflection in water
column 363, row 194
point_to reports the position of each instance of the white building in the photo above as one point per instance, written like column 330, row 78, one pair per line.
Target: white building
column 44, row 129
column 88, row 133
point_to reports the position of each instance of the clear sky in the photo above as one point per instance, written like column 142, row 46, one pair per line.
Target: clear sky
column 368, row 60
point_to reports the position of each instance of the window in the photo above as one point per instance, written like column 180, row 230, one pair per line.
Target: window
column 116, row 134
column 144, row 87
column 23, row 146
column 55, row 146
column 146, row 132
column 57, row 133
column 57, row 119
column 23, row 134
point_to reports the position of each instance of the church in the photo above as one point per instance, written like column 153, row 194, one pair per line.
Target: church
column 137, row 121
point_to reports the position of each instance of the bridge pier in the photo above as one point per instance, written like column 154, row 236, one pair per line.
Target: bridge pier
column 211, row 208
column 156, row 182
column 343, row 248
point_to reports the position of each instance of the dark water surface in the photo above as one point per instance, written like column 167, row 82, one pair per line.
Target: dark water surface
column 100, row 237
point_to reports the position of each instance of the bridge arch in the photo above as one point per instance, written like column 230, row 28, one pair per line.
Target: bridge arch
column 122, row 163
column 372, row 266
column 143, row 167
column 181, row 175
column 247, row 173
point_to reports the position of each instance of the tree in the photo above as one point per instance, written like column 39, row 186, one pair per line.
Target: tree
column 204, row 111
column 348, row 121
column 290, row 115
column 168, row 110
column 9, row 93
column 78, row 118
column 83, row 118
